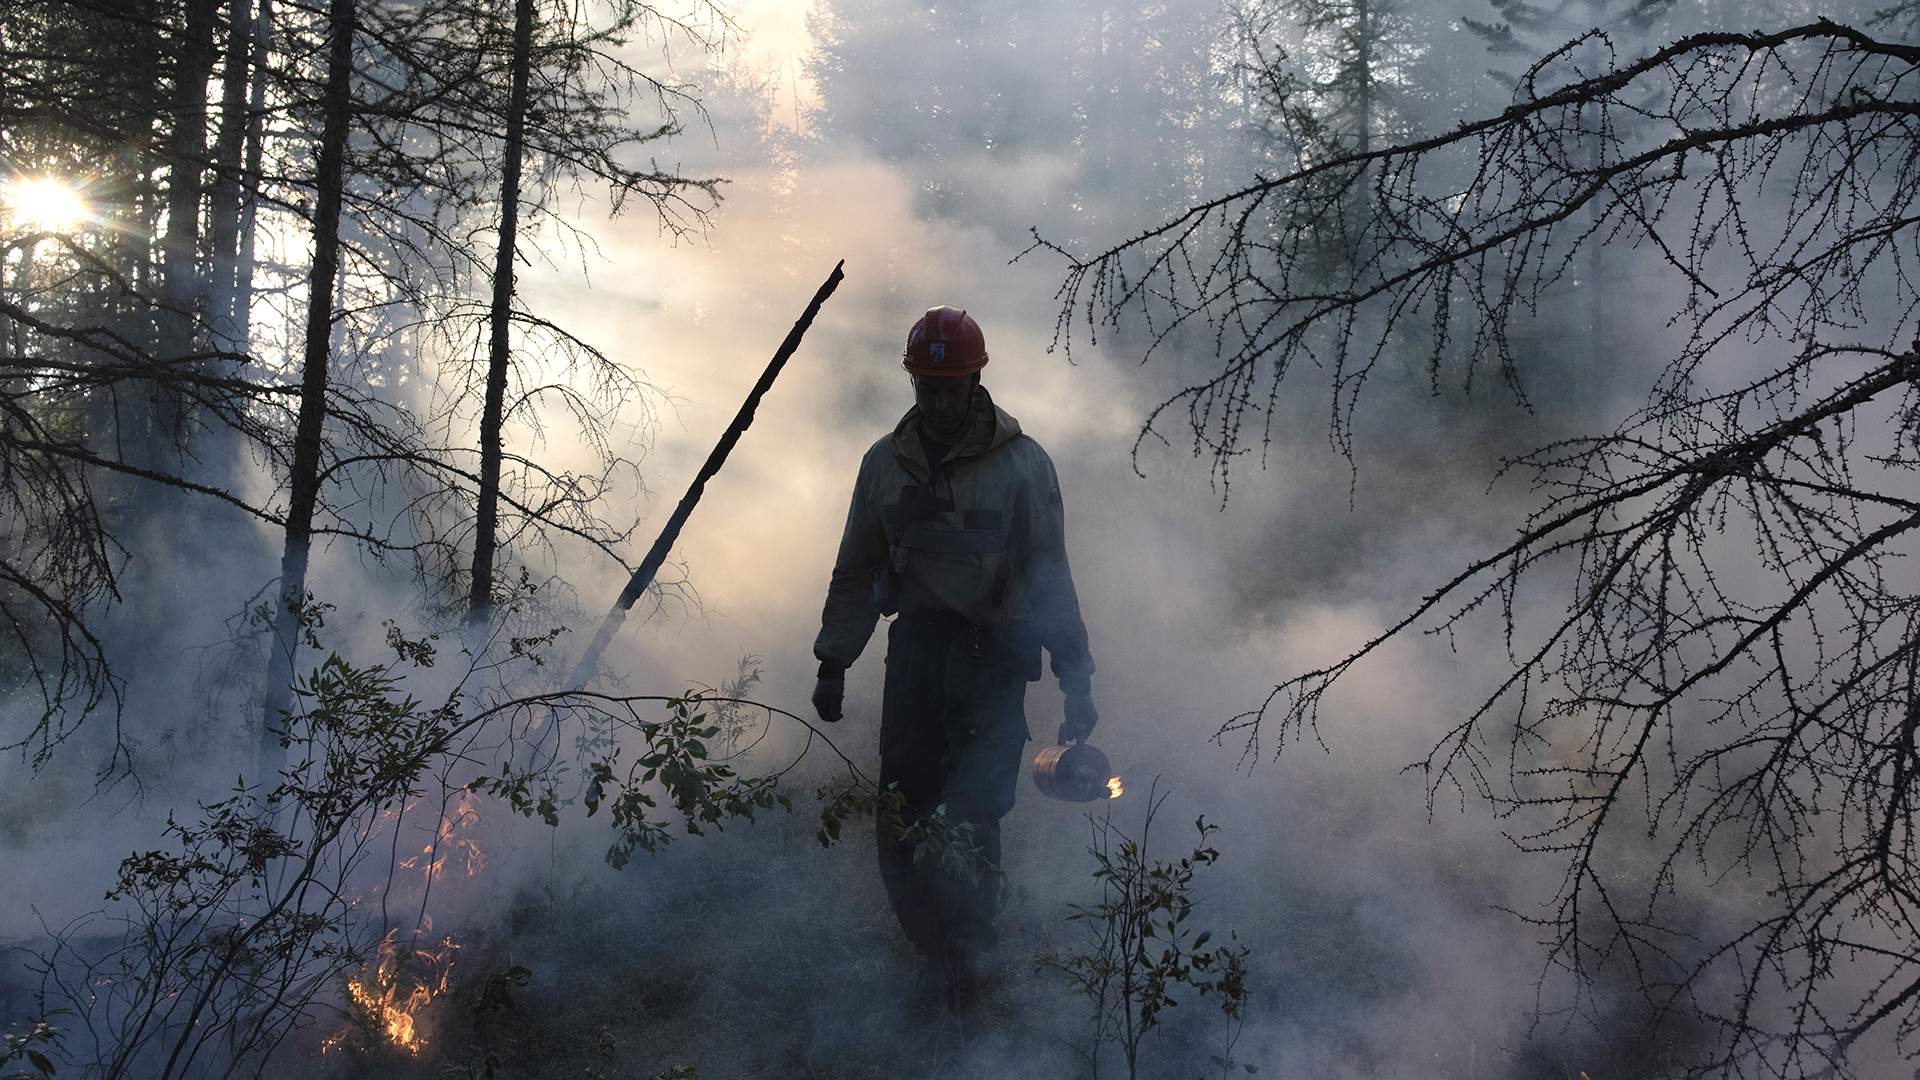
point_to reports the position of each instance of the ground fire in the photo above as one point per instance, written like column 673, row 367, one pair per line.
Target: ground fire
column 387, row 996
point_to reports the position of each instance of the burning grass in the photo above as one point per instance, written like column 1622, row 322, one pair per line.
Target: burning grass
column 388, row 999
column 453, row 843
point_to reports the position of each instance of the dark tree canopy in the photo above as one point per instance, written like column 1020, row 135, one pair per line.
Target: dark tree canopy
column 150, row 374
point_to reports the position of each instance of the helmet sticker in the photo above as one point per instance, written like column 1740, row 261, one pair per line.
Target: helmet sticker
column 945, row 341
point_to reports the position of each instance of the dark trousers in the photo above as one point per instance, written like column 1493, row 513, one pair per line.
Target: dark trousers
column 953, row 731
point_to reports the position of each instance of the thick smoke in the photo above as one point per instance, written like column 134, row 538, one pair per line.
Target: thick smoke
column 1374, row 932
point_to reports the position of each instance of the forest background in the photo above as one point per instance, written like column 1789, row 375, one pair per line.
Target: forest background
column 213, row 484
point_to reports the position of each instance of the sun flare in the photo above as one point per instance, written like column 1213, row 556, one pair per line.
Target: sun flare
column 43, row 203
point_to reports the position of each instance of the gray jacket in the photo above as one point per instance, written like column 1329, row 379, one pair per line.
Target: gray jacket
column 981, row 536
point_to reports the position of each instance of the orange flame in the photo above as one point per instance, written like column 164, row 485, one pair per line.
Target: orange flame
column 1114, row 789
column 390, row 994
column 386, row 997
column 447, row 843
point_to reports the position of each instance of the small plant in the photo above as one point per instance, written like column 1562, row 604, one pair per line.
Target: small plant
column 739, row 725
column 493, row 1002
column 936, row 838
column 245, row 919
column 1140, row 948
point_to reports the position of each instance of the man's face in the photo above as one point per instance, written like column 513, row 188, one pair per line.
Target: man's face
column 944, row 403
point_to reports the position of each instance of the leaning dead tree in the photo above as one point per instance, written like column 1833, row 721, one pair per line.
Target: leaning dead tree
column 642, row 578
column 1712, row 623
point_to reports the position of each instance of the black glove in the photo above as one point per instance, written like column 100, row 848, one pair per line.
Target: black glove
column 828, row 693
column 1081, row 717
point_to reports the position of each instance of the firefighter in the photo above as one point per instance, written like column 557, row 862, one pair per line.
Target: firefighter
column 956, row 528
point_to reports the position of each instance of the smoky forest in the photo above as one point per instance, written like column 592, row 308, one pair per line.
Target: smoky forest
column 858, row 539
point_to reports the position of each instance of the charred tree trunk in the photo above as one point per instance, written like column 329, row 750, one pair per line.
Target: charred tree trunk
column 305, row 480
column 487, row 516
column 180, row 279
column 589, row 662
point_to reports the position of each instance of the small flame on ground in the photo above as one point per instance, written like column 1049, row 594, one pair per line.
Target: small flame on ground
column 1114, row 789
column 386, row 997
column 390, row 994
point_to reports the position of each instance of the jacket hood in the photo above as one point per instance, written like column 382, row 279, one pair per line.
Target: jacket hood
column 990, row 427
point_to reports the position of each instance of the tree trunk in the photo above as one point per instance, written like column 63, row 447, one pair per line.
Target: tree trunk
column 487, row 517
column 219, row 453
column 22, row 290
column 223, row 214
column 180, row 281
column 1597, row 353
column 242, row 302
column 305, row 480
column 1363, row 62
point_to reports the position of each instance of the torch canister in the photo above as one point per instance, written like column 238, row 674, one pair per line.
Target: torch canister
column 1072, row 772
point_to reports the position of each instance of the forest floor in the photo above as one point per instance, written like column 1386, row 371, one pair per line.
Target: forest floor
column 745, row 955
column 755, row 953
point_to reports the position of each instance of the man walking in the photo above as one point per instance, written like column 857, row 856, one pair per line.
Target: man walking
column 956, row 526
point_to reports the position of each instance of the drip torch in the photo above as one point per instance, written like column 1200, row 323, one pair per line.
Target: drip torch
column 1075, row 772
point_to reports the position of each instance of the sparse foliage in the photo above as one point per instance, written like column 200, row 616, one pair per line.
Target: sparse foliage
column 673, row 763
column 1140, row 950
column 241, row 931
column 1710, row 644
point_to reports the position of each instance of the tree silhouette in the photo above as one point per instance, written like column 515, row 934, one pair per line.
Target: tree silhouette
column 152, row 361
column 1711, row 633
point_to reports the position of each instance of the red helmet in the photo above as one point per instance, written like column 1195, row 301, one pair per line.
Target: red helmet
column 945, row 342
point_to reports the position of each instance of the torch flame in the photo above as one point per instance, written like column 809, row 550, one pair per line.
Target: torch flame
column 1114, row 790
